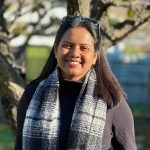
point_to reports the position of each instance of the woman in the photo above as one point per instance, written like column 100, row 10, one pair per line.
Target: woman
column 76, row 102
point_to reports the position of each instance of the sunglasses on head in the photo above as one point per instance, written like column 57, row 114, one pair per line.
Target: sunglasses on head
column 86, row 19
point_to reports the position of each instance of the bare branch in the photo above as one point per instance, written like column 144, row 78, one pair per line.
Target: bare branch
column 2, row 20
column 99, row 8
column 131, row 30
column 148, row 7
column 114, row 40
column 105, row 34
column 123, row 24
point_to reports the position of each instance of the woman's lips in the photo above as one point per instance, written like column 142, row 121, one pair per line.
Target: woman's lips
column 73, row 63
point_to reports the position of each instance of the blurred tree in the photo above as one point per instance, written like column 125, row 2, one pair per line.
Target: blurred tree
column 78, row 7
column 118, row 19
column 11, row 84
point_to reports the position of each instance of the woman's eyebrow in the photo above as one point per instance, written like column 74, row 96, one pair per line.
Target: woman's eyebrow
column 66, row 41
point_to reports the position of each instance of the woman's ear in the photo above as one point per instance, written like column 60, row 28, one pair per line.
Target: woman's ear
column 95, row 57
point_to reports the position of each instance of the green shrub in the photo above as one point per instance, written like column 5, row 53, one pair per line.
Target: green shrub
column 6, row 137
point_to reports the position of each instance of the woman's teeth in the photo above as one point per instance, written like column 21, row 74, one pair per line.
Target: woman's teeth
column 74, row 62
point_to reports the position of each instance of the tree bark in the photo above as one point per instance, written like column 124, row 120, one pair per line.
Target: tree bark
column 11, row 89
column 78, row 7
column 11, row 84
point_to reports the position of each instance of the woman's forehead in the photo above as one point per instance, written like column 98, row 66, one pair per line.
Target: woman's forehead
column 79, row 34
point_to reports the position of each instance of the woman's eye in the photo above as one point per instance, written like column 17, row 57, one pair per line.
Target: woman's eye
column 83, row 48
column 66, row 45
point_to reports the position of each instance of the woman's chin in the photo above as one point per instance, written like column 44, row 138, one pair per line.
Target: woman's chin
column 72, row 75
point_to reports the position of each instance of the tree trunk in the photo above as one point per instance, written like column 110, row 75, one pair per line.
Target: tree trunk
column 11, row 89
column 78, row 7
column 11, row 84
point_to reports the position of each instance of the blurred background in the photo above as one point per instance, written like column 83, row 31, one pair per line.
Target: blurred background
column 27, row 33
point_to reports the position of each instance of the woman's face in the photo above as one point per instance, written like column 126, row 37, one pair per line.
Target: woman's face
column 75, row 53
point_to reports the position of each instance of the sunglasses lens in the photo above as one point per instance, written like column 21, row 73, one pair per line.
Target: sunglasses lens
column 71, row 18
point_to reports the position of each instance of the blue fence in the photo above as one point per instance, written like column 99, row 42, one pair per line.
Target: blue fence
column 134, row 76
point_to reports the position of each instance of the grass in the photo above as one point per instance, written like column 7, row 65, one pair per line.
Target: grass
column 132, row 50
column 6, row 137
column 37, row 52
column 140, row 110
column 35, row 60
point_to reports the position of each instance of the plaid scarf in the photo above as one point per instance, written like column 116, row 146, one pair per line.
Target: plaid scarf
column 42, row 122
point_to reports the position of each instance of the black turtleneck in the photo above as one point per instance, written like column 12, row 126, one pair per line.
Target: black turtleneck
column 68, row 94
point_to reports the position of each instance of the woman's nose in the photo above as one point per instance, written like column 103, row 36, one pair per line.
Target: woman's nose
column 75, row 51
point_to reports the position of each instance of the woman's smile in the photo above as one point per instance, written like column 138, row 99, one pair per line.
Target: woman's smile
column 73, row 63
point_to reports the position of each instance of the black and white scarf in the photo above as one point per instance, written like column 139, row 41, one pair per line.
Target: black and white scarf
column 42, row 122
